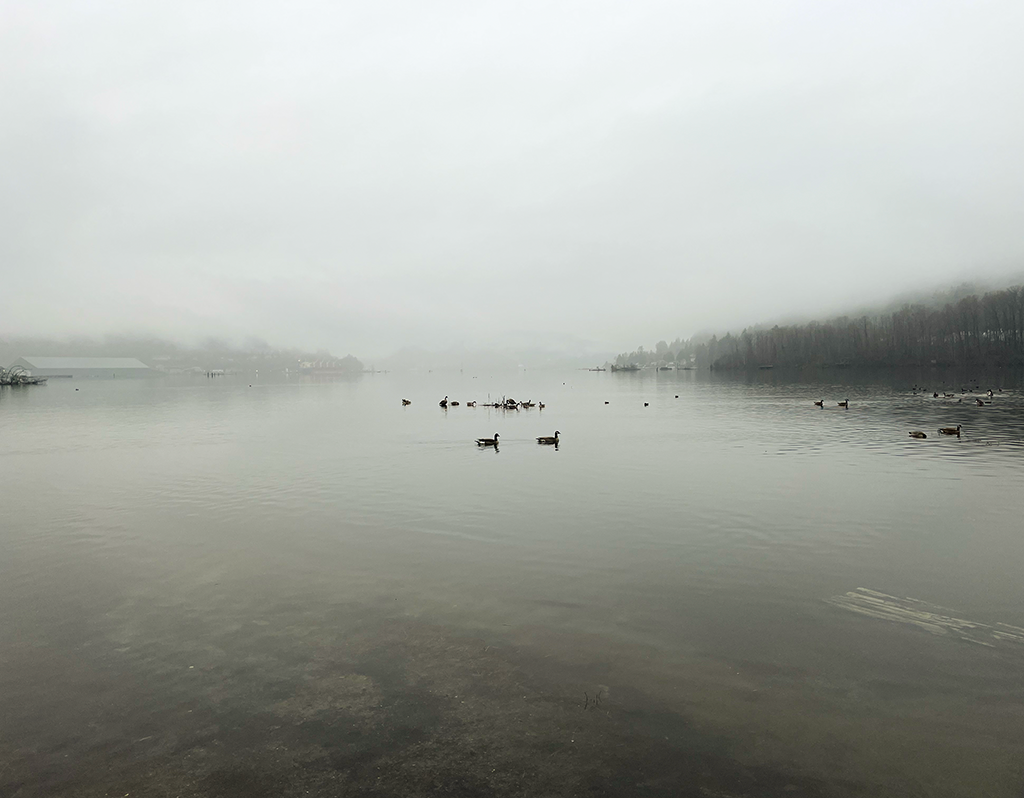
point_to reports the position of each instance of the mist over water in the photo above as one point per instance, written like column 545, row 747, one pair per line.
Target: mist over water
column 242, row 586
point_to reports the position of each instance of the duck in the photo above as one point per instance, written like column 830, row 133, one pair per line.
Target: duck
column 844, row 403
column 549, row 438
column 917, row 434
column 488, row 441
column 820, row 403
column 443, row 402
column 406, row 402
column 950, row 430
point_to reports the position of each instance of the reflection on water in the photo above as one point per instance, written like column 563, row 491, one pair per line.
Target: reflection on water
column 217, row 589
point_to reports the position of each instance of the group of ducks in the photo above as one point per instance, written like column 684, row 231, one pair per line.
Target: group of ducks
column 942, row 431
column 505, row 404
column 977, row 399
column 916, row 433
column 544, row 439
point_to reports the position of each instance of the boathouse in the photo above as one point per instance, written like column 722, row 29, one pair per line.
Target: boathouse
column 101, row 367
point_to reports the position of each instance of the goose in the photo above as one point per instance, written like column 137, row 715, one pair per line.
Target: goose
column 443, row 402
column 540, row 405
column 917, row 434
column 820, row 403
column 647, row 404
column 935, row 396
column 470, row 404
column 844, row 403
column 453, row 403
column 950, row 430
column 980, row 403
column 488, row 441
column 549, row 438
column 406, row 402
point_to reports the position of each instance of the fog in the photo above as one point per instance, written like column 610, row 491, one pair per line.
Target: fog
column 589, row 176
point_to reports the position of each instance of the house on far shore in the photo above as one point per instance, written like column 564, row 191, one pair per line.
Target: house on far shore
column 102, row 367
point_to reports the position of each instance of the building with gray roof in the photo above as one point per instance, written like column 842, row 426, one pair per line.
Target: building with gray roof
column 83, row 366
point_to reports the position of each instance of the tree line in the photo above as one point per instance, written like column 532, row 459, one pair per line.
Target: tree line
column 985, row 330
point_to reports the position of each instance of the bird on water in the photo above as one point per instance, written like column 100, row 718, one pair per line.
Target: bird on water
column 488, row 441
column 820, row 403
column 549, row 438
column 844, row 403
column 950, row 430
column 406, row 402
column 917, row 434
column 443, row 403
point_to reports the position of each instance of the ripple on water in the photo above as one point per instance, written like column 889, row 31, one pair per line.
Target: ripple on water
column 929, row 617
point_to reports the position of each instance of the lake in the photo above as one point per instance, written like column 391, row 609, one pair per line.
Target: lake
column 262, row 586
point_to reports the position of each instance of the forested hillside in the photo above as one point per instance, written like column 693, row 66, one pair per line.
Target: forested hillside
column 985, row 329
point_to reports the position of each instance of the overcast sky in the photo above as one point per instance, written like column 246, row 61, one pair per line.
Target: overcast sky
column 366, row 175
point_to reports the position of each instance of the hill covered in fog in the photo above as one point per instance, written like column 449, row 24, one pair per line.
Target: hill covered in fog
column 961, row 326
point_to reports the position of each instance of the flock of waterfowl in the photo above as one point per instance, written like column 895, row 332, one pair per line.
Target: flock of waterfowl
column 504, row 404
column 544, row 439
column 920, row 391
column 942, row 431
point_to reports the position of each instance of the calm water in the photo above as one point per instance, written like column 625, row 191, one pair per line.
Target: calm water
column 302, row 587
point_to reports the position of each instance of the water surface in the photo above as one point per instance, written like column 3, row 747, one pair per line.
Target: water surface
column 262, row 587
